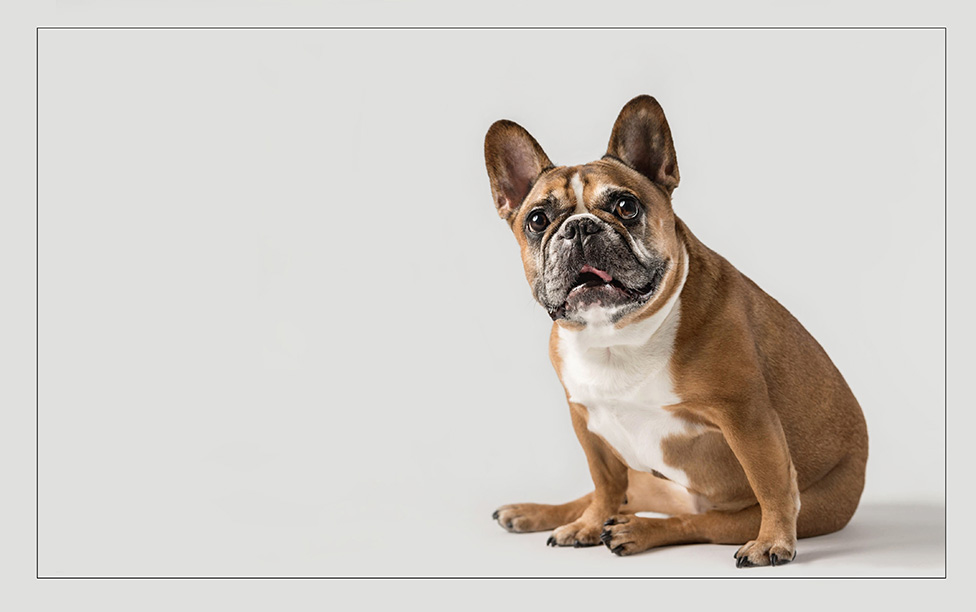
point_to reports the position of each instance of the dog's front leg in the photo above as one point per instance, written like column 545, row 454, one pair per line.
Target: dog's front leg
column 610, row 481
column 755, row 434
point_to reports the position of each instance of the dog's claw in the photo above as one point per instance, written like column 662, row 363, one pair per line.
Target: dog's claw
column 494, row 515
column 775, row 559
column 744, row 561
column 605, row 537
column 609, row 521
column 551, row 541
column 617, row 550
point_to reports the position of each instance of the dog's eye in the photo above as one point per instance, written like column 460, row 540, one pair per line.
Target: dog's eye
column 626, row 208
column 537, row 221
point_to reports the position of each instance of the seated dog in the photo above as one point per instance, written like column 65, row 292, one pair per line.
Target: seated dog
column 693, row 393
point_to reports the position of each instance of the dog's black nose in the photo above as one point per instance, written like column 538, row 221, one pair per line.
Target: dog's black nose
column 583, row 226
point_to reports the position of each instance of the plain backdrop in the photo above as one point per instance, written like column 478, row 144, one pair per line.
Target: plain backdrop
column 283, row 332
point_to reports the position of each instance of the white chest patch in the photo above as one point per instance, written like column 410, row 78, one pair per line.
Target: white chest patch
column 623, row 378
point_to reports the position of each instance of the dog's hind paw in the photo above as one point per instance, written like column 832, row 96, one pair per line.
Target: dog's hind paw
column 526, row 518
column 577, row 534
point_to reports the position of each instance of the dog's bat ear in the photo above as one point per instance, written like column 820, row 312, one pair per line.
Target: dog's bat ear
column 514, row 160
column 641, row 139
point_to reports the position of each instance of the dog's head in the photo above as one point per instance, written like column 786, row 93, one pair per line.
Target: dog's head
column 599, row 239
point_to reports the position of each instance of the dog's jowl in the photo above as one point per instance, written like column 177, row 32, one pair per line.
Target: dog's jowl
column 693, row 393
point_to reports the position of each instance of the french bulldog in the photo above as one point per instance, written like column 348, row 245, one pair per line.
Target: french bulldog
column 693, row 393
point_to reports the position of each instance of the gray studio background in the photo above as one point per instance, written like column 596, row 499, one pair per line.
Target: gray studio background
column 283, row 332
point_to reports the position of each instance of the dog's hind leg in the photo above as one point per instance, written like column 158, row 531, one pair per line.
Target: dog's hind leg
column 825, row 506
column 524, row 518
column 649, row 493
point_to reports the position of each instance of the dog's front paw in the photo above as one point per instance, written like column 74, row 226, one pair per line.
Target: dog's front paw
column 626, row 534
column 766, row 551
column 577, row 534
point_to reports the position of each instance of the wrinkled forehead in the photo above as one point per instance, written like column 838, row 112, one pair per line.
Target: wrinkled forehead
column 582, row 186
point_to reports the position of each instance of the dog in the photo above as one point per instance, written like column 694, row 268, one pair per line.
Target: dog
column 693, row 393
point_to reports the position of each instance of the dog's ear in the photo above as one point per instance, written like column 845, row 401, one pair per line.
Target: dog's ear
column 514, row 160
column 641, row 139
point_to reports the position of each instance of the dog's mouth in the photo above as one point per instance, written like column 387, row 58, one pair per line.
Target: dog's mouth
column 595, row 287
column 590, row 278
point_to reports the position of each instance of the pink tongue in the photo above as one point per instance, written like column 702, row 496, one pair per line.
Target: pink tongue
column 603, row 275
